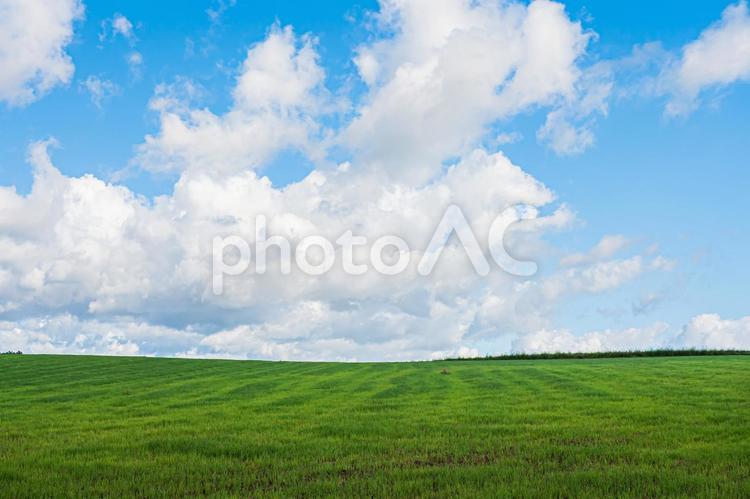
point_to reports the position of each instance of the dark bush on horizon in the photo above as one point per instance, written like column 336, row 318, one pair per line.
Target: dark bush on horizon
column 607, row 355
column 9, row 352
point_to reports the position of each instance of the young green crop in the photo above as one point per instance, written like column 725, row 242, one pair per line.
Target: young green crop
column 97, row 426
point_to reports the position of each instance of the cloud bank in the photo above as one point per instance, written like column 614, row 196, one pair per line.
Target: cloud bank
column 90, row 266
column 33, row 37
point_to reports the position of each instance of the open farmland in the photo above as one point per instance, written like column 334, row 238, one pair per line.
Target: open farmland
column 84, row 426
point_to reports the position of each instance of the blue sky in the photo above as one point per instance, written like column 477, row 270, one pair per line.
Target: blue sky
column 672, row 185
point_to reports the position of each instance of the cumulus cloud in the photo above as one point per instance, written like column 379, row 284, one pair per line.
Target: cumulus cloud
column 718, row 57
column 277, row 94
column 707, row 331
column 711, row 331
column 67, row 334
column 440, row 80
column 546, row 341
column 83, row 244
column 293, row 337
column 33, row 37
column 123, row 269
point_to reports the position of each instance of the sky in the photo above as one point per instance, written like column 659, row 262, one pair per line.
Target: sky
column 133, row 135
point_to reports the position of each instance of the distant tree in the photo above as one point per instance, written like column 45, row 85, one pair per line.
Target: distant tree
column 664, row 352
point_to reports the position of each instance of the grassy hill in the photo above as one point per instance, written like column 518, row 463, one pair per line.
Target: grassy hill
column 83, row 426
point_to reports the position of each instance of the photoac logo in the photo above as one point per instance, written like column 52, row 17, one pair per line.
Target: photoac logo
column 452, row 222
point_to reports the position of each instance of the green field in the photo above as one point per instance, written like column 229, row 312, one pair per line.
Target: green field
column 84, row 426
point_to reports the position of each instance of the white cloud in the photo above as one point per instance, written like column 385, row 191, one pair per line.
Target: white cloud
column 82, row 244
column 711, row 331
column 508, row 138
column 135, row 63
column 121, row 25
column 118, row 25
column 278, row 93
column 280, row 73
column 114, row 260
column 33, row 37
column 563, row 137
column 135, row 58
column 440, row 80
column 99, row 89
column 568, row 129
column 299, row 336
column 594, row 278
column 553, row 341
column 662, row 263
column 720, row 56
column 218, row 9
column 66, row 333
column 708, row 331
column 605, row 248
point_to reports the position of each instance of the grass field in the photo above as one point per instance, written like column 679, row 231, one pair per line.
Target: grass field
column 83, row 426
